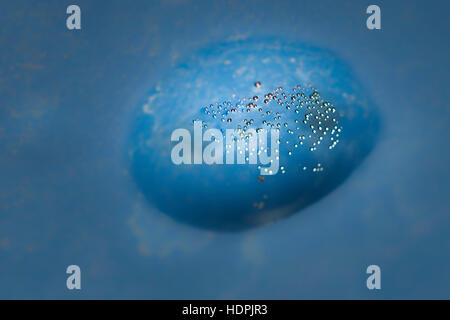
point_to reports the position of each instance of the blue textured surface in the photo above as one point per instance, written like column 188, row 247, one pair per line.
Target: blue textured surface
column 67, row 196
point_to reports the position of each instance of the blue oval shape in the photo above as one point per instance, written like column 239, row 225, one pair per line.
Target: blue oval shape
column 238, row 197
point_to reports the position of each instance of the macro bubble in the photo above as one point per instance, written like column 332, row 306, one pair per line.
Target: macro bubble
column 325, row 120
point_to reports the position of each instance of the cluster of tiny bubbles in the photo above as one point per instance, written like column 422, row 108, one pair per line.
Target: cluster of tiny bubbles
column 304, row 120
column 318, row 168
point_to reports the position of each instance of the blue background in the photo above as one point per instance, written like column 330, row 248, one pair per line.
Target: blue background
column 66, row 196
